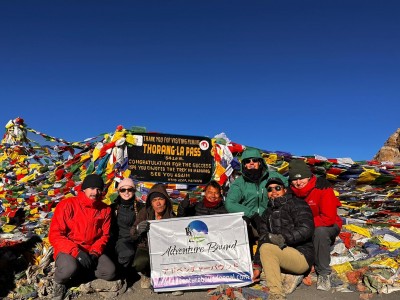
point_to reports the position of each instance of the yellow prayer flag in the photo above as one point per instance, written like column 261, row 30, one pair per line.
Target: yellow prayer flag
column 358, row 229
column 8, row 228
column 343, row 268
column 369, row 175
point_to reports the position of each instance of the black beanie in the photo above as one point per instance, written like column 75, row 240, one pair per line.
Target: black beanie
column 93, row 181
column 157, row 195
column 298, row 169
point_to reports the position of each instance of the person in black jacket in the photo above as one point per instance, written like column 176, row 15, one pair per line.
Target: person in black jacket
column 212, row 203
column 125, row 209
column 285, row 243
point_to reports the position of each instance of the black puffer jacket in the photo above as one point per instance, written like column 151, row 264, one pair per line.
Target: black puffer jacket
column 199, row 209
column 291, row 217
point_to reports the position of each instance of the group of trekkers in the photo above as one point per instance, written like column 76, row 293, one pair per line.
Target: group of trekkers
column 291, row 222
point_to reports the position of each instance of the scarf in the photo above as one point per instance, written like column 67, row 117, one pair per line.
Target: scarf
column 253, row 174
column 209, row 204
column 303, row 193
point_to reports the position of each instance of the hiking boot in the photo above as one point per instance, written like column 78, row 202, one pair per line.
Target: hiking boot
column 262, row 276
column 276, row 297
column 59, row 291
column 145, row 282
column 291, row 282
column 177, row 293
column 324, row 282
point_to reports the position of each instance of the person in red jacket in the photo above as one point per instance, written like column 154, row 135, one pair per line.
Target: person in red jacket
column 79, row 232
column 319, row 195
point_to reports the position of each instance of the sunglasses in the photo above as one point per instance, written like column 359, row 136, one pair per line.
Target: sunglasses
column 249, row 160
column 130, row 190
column 276, row 188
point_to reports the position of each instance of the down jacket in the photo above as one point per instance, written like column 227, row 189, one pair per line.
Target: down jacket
column 291, row 217
column 199, row 209
column 79, row 223
column 322, row 201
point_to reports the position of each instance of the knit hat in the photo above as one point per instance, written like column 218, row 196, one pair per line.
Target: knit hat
column 126, row 182
column 274, row 180
column 157, row 195
column 298, row 169
column 93, row 181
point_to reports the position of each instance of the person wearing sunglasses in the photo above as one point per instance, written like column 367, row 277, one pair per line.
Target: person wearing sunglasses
column 319, row 195
column 285, row 244
column 248, row 194
column 124, row 212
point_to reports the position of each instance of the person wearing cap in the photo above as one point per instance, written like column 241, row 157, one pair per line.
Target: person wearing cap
column 212, row 203
column 79, row 232
column 124, row 212
column 319, row 195
column 285, row 243
column 248, row 194
column 158, row 206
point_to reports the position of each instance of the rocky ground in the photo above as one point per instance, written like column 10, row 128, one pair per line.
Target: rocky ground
column 302, row 292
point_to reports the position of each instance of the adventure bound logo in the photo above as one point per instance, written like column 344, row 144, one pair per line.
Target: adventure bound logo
column 196, row 231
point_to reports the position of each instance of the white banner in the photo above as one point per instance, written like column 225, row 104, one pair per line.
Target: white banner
column 199, row 252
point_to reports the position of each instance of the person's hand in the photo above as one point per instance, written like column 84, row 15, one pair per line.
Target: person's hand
column 277, row 239
column 256, row 275
column 185, row 203
column 271, row 238
column 247, row 220
column 256, row 221
column 84, row 259
column 94, row 258
column 143, row 227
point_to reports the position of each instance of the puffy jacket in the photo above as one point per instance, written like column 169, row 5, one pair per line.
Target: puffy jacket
column 322, row 201
column 80, row 223
column 148, row 213
column 291, row 217
column 199, row 209
column 249, row 196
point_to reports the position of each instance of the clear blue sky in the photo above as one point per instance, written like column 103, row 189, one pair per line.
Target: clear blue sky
column 306, row 77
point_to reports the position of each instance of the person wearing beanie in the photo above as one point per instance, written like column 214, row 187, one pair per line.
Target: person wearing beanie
column 158, row 206
column 248, row 194
column 93, row 181
column 79, row 232
column 319, row 195
column 285, row 243
column 212, row 203
column 124, row 212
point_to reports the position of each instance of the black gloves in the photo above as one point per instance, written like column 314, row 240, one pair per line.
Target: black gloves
column 185, row 203
column 143, row 227
column 271, row 238
column 256, row 221
column 84, row 259
column 95, row 259
column 247, row 220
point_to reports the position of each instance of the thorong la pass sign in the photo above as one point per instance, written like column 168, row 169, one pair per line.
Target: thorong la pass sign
column 199, row 252
column 171, row 158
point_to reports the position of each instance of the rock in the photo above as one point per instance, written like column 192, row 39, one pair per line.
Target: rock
column 390, row 152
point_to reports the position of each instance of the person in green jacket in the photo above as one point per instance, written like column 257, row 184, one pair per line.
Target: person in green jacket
column 248, row 194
